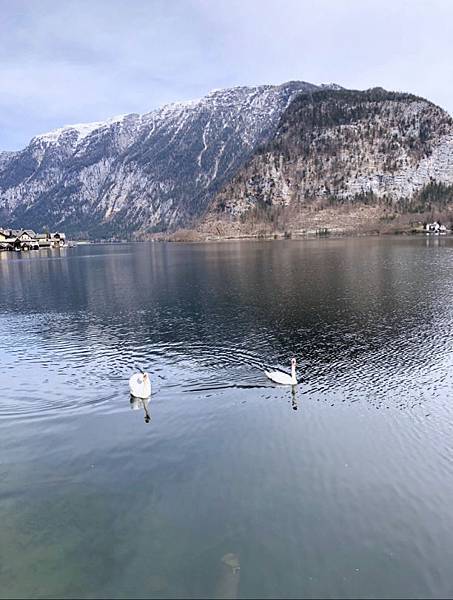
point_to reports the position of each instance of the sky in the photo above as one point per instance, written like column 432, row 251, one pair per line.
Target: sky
column 64, row 62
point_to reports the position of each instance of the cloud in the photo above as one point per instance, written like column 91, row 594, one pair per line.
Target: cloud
column 73, row 61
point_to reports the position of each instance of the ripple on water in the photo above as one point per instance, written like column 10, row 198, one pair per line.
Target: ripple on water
column 45, row 370
column 81, row 359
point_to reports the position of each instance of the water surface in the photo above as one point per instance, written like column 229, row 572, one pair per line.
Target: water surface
column 343, row 490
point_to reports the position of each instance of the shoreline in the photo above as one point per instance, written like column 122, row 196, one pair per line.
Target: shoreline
column 268, row 238
column 175, row 239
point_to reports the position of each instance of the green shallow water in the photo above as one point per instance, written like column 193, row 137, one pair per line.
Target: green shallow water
column 343, row 490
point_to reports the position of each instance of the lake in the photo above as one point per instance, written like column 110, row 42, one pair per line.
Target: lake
column 235, row 487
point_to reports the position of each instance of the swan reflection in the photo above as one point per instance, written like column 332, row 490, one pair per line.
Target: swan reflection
column 294, row 397
column 138, row 403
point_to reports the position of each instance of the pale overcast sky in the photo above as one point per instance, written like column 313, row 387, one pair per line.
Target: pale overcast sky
column 65, row 61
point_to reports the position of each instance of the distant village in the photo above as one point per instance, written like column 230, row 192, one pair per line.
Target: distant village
column 26, row 239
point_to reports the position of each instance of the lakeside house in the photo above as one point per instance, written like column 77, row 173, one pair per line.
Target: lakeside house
column 435, row 227
column 27, row 239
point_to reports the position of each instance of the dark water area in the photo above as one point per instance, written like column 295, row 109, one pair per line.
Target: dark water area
column 236, row 487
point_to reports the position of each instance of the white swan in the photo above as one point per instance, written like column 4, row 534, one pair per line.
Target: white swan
column 284, row 378
column 140, row 385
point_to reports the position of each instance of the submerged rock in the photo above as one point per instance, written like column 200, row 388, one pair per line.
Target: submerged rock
column 228, row 582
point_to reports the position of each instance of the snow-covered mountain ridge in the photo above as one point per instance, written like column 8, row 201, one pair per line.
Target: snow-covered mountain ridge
column 139, row 173
column 228, row 151
column 81, row 130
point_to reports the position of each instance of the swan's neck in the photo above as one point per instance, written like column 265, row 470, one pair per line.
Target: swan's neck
column 293, row 372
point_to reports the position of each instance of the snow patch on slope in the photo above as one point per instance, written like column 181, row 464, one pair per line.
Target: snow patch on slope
column 81, row 129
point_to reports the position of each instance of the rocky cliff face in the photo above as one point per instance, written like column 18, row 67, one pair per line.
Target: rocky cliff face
column 139, row 173
column 236, row 152
column 337, row 147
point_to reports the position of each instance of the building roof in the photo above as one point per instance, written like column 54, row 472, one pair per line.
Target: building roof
column 12, row 234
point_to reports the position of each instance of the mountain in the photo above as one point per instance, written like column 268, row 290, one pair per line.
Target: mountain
column 281, row 157
column 136, row 174
column 336, row 152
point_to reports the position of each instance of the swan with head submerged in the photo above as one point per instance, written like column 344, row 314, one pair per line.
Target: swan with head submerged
column 140, row 385
column 284, row 378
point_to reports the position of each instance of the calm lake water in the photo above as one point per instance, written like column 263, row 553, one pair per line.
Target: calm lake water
column 344, row 490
